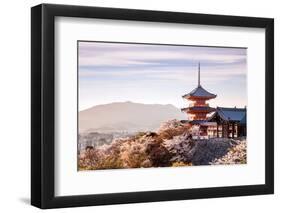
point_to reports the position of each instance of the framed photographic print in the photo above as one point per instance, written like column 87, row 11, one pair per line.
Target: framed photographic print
column 139, row 106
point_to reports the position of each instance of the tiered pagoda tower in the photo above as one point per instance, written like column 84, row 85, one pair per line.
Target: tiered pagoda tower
column 198, row 108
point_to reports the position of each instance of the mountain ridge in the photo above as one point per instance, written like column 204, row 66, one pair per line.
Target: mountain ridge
column 127, row 116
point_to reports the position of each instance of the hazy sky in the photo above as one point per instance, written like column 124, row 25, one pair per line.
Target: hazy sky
column 116, row 72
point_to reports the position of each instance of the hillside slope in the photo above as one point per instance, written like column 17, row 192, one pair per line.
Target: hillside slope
column 127, row 116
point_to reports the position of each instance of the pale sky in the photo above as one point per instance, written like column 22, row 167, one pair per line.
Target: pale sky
column 159, row 74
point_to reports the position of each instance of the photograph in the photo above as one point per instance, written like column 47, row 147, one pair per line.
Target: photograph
column 160, row 105
column 140, row 105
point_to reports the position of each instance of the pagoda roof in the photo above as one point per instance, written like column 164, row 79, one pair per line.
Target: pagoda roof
column 199, row 92
column 199, row 108
column 206, row 122
column 231, row 114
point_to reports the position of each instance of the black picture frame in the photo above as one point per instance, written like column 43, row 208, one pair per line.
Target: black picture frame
column 43, row 102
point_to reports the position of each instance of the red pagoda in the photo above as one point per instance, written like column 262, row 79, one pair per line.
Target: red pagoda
column 198, row 108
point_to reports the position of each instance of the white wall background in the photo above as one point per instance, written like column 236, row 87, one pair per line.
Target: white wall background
column 15, row 105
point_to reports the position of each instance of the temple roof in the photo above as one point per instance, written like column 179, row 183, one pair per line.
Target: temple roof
column 231, row 114
column 243, row 121
column 199, row 92
column 198, row 121
column 199, row 108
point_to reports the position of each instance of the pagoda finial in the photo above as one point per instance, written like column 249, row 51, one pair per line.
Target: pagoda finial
column 199, row 73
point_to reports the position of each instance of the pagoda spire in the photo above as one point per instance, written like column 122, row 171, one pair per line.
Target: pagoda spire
column 199, row 74
column 199, row 108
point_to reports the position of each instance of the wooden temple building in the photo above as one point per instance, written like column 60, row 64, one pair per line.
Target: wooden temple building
column 231, row 122
column 213, row 122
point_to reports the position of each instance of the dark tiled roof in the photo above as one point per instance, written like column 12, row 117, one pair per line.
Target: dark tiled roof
column 199, row 108
column 198, row 121
column 200, row 92
column 231, row 114
column 244, row 120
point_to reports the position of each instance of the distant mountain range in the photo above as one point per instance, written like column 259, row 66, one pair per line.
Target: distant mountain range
column 126, row 117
